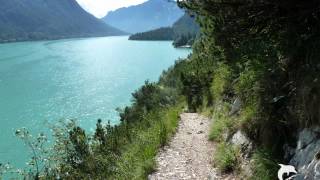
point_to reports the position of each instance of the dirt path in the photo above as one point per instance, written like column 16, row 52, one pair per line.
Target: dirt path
column 189, row 154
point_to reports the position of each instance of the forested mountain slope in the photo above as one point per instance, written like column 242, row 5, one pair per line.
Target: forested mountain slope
column 161, row 34
column 183, row 32
column 48, row 19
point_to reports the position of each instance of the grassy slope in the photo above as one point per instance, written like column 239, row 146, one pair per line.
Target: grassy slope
column 138, row 158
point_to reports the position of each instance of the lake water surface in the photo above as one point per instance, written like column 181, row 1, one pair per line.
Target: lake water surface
column 83, row 79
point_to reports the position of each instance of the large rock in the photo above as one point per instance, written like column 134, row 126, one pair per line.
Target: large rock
column 239, row 139
column 236, row 106
column 306, row 156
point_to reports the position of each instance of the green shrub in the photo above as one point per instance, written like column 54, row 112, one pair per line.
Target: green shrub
column 221, row 81
column 247, row 86
column 249, row 116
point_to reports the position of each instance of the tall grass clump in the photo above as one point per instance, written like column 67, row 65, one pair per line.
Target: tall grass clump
column 226, row 157
column 222, row 123
column 264, row 166
column 138, row 159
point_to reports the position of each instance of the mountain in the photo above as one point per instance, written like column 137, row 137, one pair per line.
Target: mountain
column 150, row 15
column 48, row 19
column 183, row 32
column 162, row 34
column 186, row 25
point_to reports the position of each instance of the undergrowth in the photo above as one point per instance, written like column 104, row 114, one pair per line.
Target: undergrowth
column 222, row 123
column 226, row 157
column 263, row 166
column 138, row 158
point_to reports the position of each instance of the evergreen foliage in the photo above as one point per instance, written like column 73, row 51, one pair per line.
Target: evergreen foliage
column 267, row 45
column 185, row 30
column 268, row 52
column 161, row 34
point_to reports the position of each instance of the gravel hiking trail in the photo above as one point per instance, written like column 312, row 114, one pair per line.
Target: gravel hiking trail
column 189, row 153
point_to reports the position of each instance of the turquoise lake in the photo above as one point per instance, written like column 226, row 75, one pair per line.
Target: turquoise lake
column 82, row 79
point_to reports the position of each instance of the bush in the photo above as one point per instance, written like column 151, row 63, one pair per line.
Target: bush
column 221, row 81
column 247, row 86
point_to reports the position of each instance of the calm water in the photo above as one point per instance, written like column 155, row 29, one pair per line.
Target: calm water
column 83, row 79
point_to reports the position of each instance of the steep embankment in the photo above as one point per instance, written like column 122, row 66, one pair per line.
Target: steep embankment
column 256, row 66
column 37, row 19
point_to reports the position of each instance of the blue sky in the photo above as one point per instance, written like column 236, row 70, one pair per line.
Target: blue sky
column 100, row 8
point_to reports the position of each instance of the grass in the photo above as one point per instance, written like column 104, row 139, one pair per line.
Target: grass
column 207, row 111
column 263, row 167
column 226, row 157
column 221, row 80
column 222, row 123
column 138, row 158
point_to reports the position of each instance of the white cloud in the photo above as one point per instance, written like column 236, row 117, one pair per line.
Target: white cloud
column 100, row 8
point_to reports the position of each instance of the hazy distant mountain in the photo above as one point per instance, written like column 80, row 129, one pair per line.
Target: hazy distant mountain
column 144, row 17
column 183, row 32
column 48, row 19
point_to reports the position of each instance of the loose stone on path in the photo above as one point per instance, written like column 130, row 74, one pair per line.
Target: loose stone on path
column 189, row 154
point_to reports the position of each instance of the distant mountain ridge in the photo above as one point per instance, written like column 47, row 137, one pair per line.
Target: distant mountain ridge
column 22, row 20
column 183, row 32
column 150, row 15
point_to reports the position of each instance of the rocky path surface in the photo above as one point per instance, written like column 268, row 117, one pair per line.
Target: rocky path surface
column 189, row 154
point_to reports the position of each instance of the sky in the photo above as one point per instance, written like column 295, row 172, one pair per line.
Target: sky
column 100, row 8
